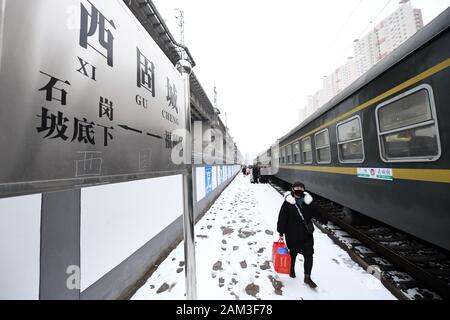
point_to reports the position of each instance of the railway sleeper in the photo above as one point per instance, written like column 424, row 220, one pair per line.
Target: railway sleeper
column 396, row 247
column 424, row 258
column 444, row 274
column 387, row 268
column 407, row 284
column 376, row 231
column 366, row 254
column 383, row 264
column 390, row 238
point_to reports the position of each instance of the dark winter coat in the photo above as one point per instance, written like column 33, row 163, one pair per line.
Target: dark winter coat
column 290, row 224
column 256, row 171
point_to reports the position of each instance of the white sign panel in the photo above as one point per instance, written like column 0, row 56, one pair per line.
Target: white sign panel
column 375, row 173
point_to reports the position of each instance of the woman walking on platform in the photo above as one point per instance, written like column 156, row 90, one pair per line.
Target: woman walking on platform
column 294, row 222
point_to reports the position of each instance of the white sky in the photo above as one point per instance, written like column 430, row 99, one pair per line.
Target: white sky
column 266, row 57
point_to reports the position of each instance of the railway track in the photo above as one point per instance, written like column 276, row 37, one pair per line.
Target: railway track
column 410, row 268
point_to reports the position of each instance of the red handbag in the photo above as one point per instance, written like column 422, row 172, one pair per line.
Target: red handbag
column 281, row 261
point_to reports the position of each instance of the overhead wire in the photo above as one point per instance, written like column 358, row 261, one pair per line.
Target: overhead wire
column 344, row 52
column 338, row 34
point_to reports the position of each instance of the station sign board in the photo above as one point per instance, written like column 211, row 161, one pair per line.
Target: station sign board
column 375, row 173
column 86, row 97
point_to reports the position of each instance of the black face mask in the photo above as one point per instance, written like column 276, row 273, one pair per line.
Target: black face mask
column 299, row 193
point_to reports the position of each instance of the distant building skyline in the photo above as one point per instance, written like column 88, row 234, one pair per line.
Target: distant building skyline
column 384, row 38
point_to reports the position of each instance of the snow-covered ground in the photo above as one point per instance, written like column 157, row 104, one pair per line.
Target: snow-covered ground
column 233, row 256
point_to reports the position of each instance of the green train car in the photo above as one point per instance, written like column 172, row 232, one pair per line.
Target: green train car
column 382, row 146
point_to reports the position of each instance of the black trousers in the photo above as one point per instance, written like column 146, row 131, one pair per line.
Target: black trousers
column 307, row 265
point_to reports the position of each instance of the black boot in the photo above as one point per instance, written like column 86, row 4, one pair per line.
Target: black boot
column 309, row 282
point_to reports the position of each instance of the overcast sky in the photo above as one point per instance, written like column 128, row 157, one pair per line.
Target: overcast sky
column 266, row 57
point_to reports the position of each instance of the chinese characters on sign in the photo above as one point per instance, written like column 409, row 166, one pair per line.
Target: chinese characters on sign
column 50, row 86
column 171, row 98
column 95, row 33
column 92, row 23
column 105, row 108
column 172, row 95
column 145, row 73
column 89, row 165
column 56, row 124
column 93, row 103
column 50, row 123
column 172, row 140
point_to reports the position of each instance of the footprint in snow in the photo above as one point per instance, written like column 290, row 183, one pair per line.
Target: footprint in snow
column 164, row 287
column 252, row 289
column 217, row 266
column 266, row 265
column 277, row 285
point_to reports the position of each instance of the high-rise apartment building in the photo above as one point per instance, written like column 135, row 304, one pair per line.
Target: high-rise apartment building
column 387, row 36
column 377, row 44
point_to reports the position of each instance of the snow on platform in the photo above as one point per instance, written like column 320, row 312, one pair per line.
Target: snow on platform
column 233, row 254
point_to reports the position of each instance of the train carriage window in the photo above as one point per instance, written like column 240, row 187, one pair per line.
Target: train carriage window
column 407, row 127
column 289, row 154
column 297, row 152
column 350, row 141
column 267, row 157
column 323, row 151
column 306, row 150
column 283, row 155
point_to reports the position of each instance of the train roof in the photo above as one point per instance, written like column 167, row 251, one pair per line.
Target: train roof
column 424, row 35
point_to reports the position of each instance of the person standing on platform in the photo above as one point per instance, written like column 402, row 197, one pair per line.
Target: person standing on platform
column 295, row 224
column 256, row 172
